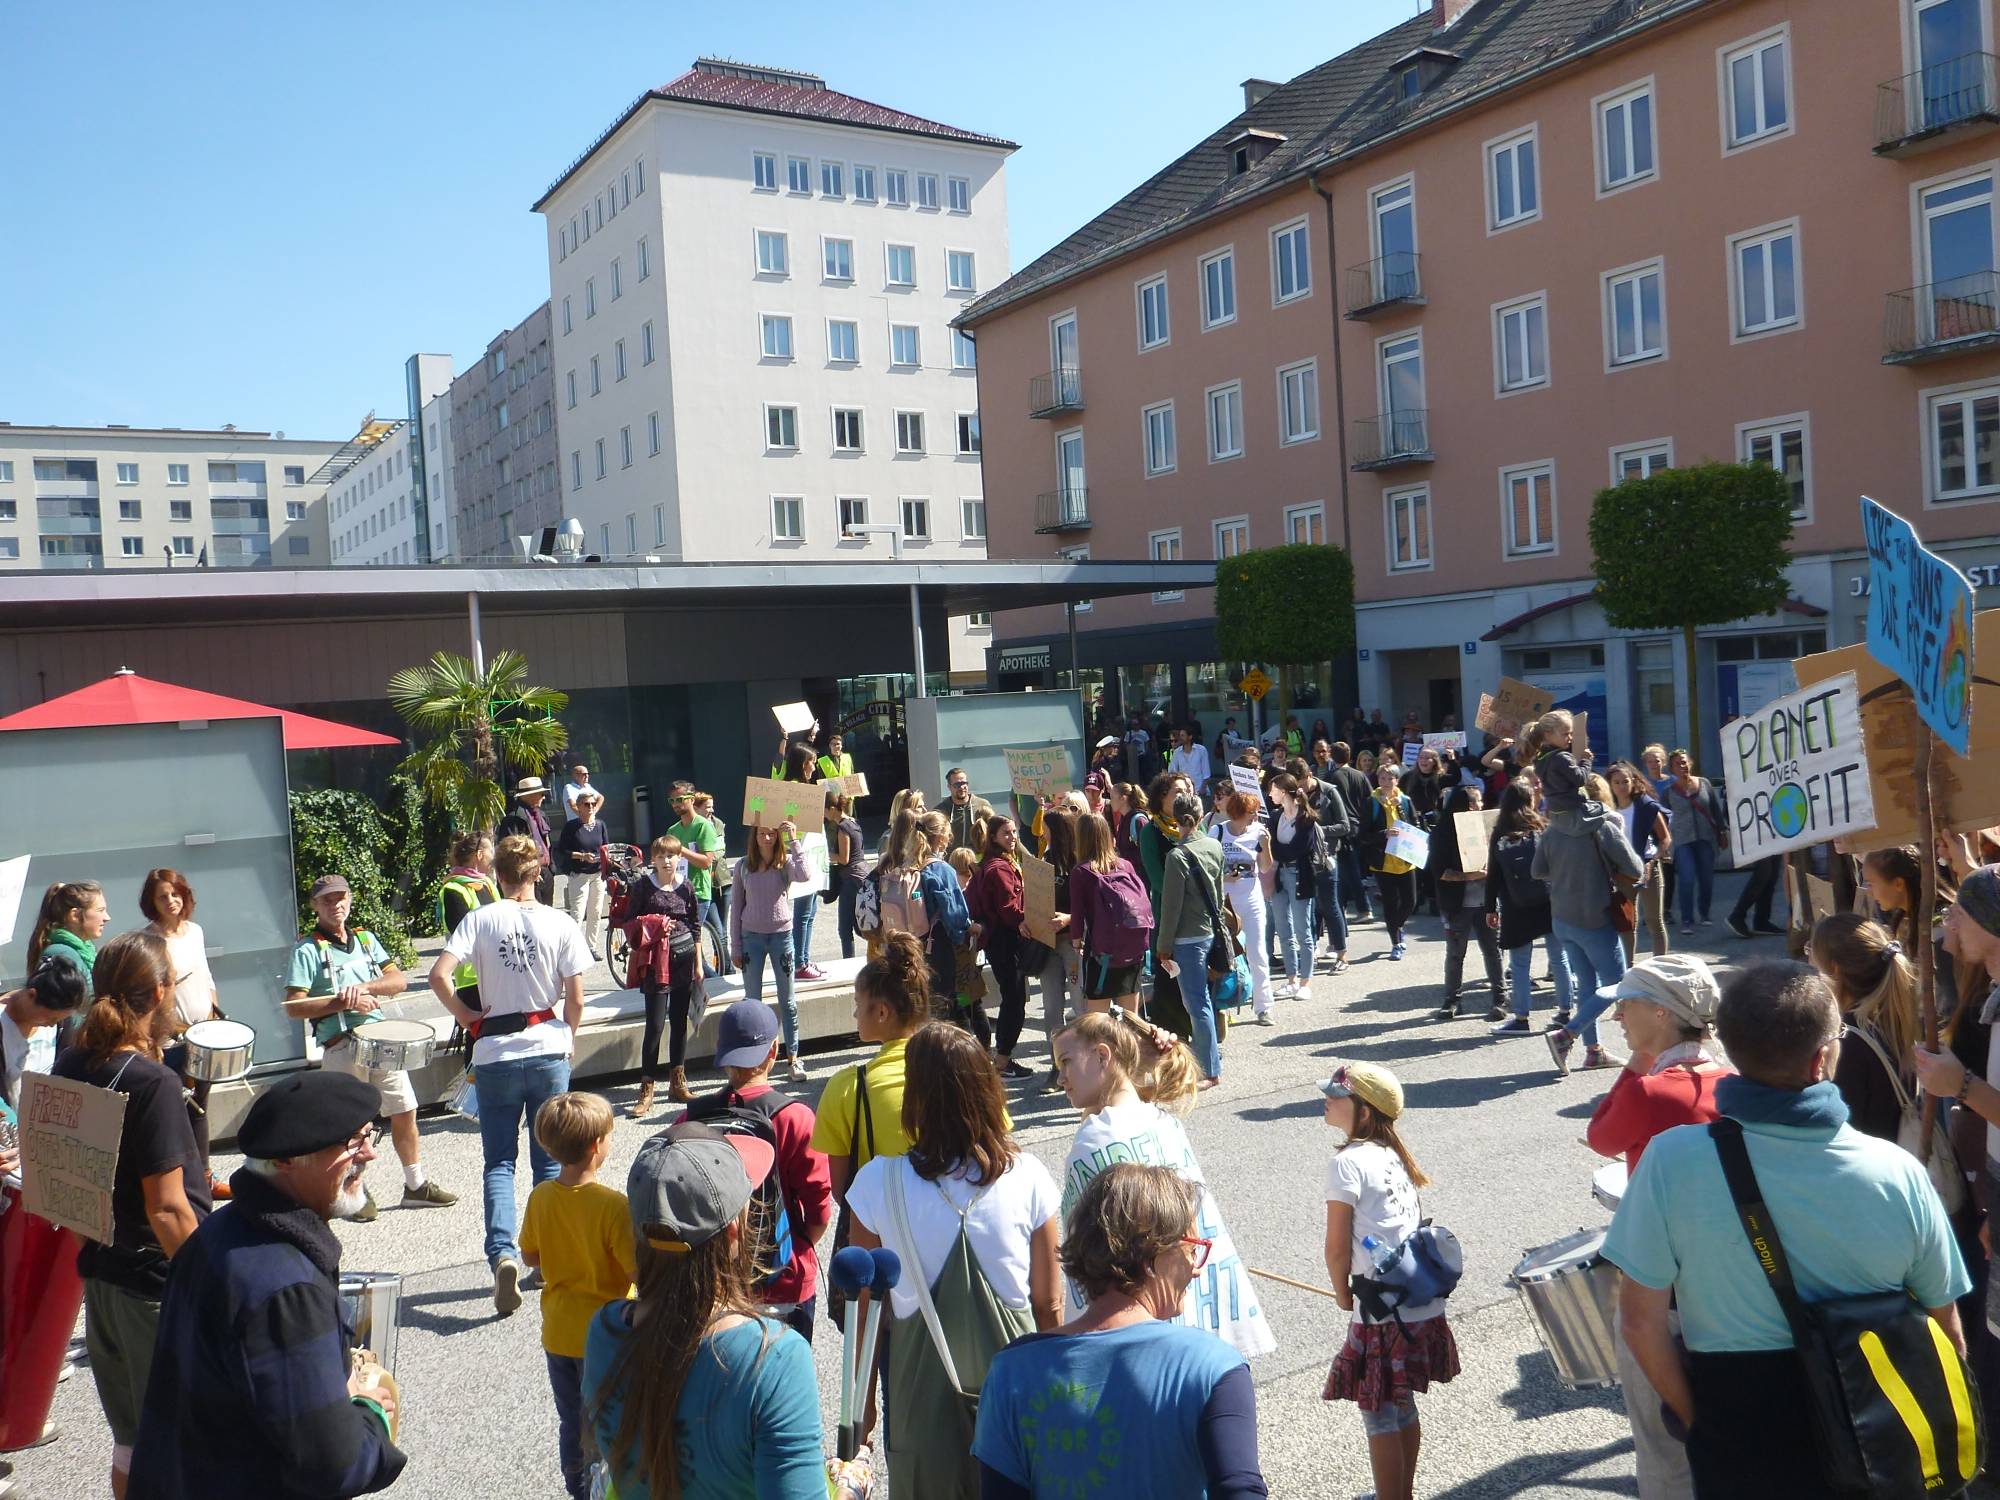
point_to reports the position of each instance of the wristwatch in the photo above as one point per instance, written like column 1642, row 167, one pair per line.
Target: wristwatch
column 1964, row 1086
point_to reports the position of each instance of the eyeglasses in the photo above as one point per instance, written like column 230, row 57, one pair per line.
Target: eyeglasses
column 1202, row 1248
column 958, row 786
column 367, row 1137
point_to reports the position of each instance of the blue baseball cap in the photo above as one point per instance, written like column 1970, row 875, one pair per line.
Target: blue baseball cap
column 743, row 1036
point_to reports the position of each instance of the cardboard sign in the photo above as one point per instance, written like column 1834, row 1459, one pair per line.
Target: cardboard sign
column 768, row 803
column 1410, row 844
column 813, row 845
column 1579, row 740
column 1492, row 723
column 1475, row 835
column 1453, row 740
column 1920, row 623
column 1522, row 702
column 1797, row 771
column 1244, row 779
column 1819, row 893
column 1041, row 772
column 1038, row 893
column 793, row 718
column 856, row 785
column 69, row 1152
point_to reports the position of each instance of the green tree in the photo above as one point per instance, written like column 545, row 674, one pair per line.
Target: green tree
column 473, row 726
column 344, row 833
column 1286, row 606
column 1692, row 547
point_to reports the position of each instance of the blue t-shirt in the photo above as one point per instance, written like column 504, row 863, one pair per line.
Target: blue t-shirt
column 748, row 1418
column 1072, row 1414
column 1856, row 1215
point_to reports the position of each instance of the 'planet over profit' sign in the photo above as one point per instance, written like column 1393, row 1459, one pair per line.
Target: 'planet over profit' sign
column 1797, row 771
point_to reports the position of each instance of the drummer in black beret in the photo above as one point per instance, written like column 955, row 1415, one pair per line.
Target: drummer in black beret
column 267, row 1274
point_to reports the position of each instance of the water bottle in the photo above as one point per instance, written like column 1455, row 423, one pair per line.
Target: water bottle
column 1380, row 1256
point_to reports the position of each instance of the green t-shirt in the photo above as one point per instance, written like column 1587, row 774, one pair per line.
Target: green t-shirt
column 699, row 837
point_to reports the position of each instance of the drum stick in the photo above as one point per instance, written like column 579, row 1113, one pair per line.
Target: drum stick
column 1304, row 1286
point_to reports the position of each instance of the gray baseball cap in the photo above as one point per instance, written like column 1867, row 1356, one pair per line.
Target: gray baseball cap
column 689, row 1183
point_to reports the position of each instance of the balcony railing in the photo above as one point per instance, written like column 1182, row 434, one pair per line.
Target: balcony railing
column 1063, row 510
column 1915, row 112
column 1942, row 319
column 66, row 489
column 1379, row 285
column 1395, row 437
column 1058, row 391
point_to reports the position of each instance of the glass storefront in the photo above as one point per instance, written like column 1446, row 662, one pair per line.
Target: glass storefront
column 1147, row 688
column 1212, row 696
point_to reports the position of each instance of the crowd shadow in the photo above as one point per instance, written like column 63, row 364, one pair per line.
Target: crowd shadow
column 411, row 1310
column 1549, row 1471
column 1467, row 1093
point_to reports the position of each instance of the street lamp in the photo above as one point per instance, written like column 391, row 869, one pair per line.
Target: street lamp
column 862, row 532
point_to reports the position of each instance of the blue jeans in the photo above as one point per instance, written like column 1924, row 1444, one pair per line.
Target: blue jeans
column 566, row 1382
column 1326, row 903
column 1597, row 959
column 1192, row 956
column 1694, row 867
column 710, row 916
column 510, row 1093
column 1521, row 965
column 1352, row 886
column 850, row 888
column 777, row 947
column 1292, row 915
column 804, row 908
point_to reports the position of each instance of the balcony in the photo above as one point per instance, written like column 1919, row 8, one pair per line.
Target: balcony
column 1944, row 319
column 1380, row 286
column 1392, row 440
column 68, row 517
column 236, row 489
column 1922, row 110
column 1057, row 392
column 66, row 489
column 1062, row 510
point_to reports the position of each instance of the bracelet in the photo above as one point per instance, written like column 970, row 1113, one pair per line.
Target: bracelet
column 1964, row 1086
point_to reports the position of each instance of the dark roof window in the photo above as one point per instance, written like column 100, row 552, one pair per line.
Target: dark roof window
column 1251, row 147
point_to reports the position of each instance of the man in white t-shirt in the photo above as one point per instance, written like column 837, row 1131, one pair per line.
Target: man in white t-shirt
column 575, row 787
column 1190, row 759
column 530, row 961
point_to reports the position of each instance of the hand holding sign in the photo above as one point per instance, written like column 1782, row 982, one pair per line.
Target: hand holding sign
column 1038, row 897
column 793, row 718
column 1920, row 623
column 1244, row 779
column 1040, row 772
column 1797, row 771
column 70, row 1134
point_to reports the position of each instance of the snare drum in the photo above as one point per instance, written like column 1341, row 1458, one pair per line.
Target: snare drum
column 372, row 1300
column 1607, row 1184
column 393, row 1046
column 1571, row 1293
column 217, row 1051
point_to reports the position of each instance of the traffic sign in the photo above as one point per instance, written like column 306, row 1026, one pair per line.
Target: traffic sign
column 1255, row 683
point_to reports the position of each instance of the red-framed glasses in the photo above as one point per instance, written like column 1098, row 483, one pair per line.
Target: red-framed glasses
column 1202, row 1249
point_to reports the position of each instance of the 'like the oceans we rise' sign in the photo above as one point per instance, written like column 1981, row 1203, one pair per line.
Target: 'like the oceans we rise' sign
column 1920, row 623
column 1797, row 772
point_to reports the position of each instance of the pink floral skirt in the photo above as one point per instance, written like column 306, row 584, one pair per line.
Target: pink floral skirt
column 1381, row 1364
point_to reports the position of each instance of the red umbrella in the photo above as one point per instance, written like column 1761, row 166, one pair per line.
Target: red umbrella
column 128, row 698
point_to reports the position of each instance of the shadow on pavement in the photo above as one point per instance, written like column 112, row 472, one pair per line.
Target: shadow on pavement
column 1546, row 1471
column 1464, row 1093
column 410, row 1310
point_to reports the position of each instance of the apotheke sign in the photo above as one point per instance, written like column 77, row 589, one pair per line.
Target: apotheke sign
column 1979, row 575
column 1025, row 658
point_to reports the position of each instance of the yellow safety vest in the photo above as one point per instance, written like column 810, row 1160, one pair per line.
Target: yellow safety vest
column 477, row 890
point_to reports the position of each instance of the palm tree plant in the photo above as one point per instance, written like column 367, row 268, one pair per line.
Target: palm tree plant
column 472, row 725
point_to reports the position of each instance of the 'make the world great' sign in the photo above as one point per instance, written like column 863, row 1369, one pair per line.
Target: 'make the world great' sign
column 1797, row 772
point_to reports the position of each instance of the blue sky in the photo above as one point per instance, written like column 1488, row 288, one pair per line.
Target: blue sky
column 253, row 213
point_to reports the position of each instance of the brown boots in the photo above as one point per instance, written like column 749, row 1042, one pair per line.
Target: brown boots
column 643, row 1105
column 677, row 1087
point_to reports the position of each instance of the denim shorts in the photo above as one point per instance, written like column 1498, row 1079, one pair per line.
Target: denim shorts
column 1387, row 1419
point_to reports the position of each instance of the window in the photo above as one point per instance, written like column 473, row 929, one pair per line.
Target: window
column 968, row 434
column 646, row 342
column 569, row 387
column 1298, row 402
column 180, row 510
column 1756, row 91
column 128, row 473
column 1393, row 224
column 1964, row 439
column 596, row 376
column 798, row 174
column 1641, row 460
column 832, row 180
column 128, row 510
column 6, row 471
column 639, row 176
column 781, row 427
column 864, row 184
column 1153, row 327
column 653, row 433
column 1782, row 443
column 1305, row 524
column 972, row 517
column 298, row 546
column 1158, row 422
column 624, row 447
column 176, row 474
column 853, row 511
column 896, row 188
column 909, row 432
column 764, row 171
column 1764, row 273
column 777, row 336
column 1218, row 289
column 1513, row 191
column 1635, row 322
column 589, row 297
column 295, row 510
column 575, row 469
column 659, row 526
column 1528, row 494
column 773, row 253
column 604, row 540
column 612, row 198
column 1625, row 150
column 847, row 429
column 183, row 546
column 902, row 264
column 586, row 227
column 1225, row 422
column 617, row 360
column 958, row 271
column 1409, row 529
column 903, row 344
column 131, row 546
column 1232, row 537
column 617, row 279
column 1521, row 345
column 631, row 533
column 600, row 458
column 958, row 196
column 837, row 259
column 1165, row 547
column 9, row 511
column 568, row 324
column 10, row 547
column 1291, row 262
column 843, row 341
column 927, row 190
column 1400, row 373
column 916, row 518
column 788, row 518
column 645, row 259
column 964, row 350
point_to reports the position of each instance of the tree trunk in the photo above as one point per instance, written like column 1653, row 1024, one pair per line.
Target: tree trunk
column 1694, row 696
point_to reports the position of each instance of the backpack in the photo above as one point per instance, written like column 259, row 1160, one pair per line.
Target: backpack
column 900, row 903
column 1515, row 854
column 1427, row 1267
column 728, row 1113
column 1121, row 914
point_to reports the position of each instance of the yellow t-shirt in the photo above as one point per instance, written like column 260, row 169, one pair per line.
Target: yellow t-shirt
column 834, row 1121
column 583, row 1235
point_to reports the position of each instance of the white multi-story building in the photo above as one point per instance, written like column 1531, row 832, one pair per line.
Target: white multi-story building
column 151, row 497
column 435, row 423
column 383, row 493
column 753, row 279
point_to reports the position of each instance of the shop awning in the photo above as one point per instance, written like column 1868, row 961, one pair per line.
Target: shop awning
column 127, row 698
column 1507, row 627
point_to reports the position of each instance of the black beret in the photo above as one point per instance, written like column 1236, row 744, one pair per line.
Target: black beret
column 306, row 1112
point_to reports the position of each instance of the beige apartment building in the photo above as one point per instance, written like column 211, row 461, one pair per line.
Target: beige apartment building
column 156, row 497
column 1427, row 299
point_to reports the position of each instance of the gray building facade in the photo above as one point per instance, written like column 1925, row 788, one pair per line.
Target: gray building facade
column 504, row 445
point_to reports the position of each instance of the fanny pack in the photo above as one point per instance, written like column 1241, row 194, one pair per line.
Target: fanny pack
column 510, row 1023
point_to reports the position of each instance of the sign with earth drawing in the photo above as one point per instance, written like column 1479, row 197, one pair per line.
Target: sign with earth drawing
column 1797, row 771
column 1920, row 623
column 768, row 803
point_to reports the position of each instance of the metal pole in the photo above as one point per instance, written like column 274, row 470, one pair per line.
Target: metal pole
column 916, row 617
column 472, row 619
column 1075, row 677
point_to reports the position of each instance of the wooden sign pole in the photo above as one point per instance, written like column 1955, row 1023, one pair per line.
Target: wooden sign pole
column 1920, row 925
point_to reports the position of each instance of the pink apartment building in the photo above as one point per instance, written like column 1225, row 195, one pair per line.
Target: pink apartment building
column 1425, row 300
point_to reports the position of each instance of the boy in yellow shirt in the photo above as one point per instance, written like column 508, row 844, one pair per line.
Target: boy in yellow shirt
column 579, row 1233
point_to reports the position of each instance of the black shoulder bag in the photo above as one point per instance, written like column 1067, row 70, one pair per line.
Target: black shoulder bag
column 1895, row 1409
column 831, row 1296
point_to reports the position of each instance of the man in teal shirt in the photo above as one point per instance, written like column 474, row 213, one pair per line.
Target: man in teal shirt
column 701, row 847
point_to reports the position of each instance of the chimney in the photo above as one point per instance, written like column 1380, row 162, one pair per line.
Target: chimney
column 1256, row 90
column 1445, row 13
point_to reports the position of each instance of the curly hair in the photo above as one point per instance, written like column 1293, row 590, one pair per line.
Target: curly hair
column 1125, row 1217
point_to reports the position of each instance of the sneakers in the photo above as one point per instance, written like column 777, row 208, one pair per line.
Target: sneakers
column 1597, row 1057
column 430, row 1195
column 1736, row 925
column 1687, row 929
column 1496, row 1013
column 1284, row 989
column 803, row 971
column 795, row 1070
column 1514, row 1026
column 1340, row 966
column 1262, row 1018
column 1768, row 929
column 1302, row 992
column 1011, row 1069
column 1560, row 1043
column 1396, row 952
column 368, row 1210
column 643, row 1105
column 1445, row 1012
column 507, row 1286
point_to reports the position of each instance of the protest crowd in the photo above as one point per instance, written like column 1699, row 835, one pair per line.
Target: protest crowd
column 1187, row 886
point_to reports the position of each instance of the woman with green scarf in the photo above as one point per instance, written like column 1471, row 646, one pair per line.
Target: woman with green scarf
column 68, row 926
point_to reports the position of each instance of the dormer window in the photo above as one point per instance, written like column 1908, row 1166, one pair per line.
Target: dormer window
column 1408, row 83
column 1251, row 147
column 1417, row 73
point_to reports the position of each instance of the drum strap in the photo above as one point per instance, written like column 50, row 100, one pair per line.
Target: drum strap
column 508, row 1024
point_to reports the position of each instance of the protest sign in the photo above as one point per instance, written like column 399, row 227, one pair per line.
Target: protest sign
column 1521, row 702
column 1492, row 723
column 855, row 785
column 1245, row 780
column 1579, row 739
column 1410, row 844
column 1041, row 772
column 793, row 718
column 1819, row 895
column 69, row 1152
column 768, row 803
column 1475, row 833
column 1920, row 623
column 1038, row 896
column 1797, row 771
column 1411, row 750
column 1453, row 739
column 813, row 846
column 13, row 881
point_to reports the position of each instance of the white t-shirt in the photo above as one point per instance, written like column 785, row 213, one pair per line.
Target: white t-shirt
column 1221, row 1298
column 23, row 1054
column 571, row 791
column 1370, row 1177
column 998, row 1226
column 522, row 952
column 194, row 986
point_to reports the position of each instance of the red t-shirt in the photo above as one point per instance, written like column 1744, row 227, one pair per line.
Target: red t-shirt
column 808, row 1189
column 1637, row 1109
